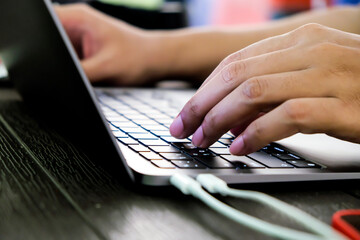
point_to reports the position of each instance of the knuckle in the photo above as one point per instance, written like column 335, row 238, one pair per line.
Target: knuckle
column 254, row 89
column 232, row 72
column 296, row 112
column 232, row 58
column 210, row 121
column 326, row 52
column 303, row 32
column 257, row 130
column 193, row 108
column 310, row 27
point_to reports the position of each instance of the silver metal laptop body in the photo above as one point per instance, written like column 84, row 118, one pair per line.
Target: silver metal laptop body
column 126, row 130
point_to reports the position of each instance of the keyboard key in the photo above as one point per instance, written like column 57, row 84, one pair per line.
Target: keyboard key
column 157, row 127
column 216, row 162
column 139, row 148
column 273, row 149
column 221, row 151
column 128, row 124
column 184, row 145
column 227, row 142
column 175, row 156
column 165, row 149
column 119, row 134
column 166, row 122
column 151, row 112
column 242, row 161
column 154, row 142
column 150, row 156
column 120, row 119
column 142, row 107
column 129, row 113
column 120, row 107
column 115, row 118
column 145, row 136
column 303, row 164
column 133, row 130
column 161, row 133
column 269, row 160
column 284, row 156
column 188, row 164
column 146, row 122
column 163, row 164
column 217, row 145
column 227, row 136
column 174, row 140
column 157, row 116
column 294, row 156
column 128, row 141
column 199, row 152
column 112, row 128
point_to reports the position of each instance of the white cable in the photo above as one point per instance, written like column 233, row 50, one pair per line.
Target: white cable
column 189, row 186
column 216, row 185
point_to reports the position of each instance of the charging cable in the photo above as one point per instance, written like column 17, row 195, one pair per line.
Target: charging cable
column 212, row 184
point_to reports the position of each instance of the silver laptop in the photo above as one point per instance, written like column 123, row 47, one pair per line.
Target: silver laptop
column 126, row 130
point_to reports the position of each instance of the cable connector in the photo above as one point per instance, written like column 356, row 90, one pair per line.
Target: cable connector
column 187, row 185
column 212, row 184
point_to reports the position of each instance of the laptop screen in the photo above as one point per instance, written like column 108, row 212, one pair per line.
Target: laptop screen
column 45, row 70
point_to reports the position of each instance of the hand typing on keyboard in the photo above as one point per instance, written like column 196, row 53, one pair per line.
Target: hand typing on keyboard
column 302, row 81
column 305, row 81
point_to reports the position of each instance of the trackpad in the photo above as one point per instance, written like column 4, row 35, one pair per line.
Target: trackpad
column 329, row 151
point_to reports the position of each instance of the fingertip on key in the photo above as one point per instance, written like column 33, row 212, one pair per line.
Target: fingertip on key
column 238, row 146
column 198, row 137
column 177, row 127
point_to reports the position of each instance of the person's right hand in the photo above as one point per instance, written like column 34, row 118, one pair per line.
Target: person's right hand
column 108, row 48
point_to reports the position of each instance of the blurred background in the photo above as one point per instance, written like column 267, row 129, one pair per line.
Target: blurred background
column 173, row 14
column 167, row 14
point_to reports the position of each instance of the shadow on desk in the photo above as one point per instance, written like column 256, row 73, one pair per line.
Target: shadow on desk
column 52, row 190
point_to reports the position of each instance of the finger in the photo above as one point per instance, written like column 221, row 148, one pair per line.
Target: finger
column 228, row 79
column 94, row 67
column 239, row 129
column 264, row 46
column 256, row 95
column 306, row 34
column 305, row 115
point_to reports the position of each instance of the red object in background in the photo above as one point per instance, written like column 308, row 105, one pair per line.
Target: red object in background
column 297, row 5
column 346, row 225
column 292, row 5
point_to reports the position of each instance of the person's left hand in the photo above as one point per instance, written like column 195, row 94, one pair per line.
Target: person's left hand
column 305, row 81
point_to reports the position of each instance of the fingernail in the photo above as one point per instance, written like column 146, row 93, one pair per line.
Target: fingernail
column 198, row 137
column 177, row 127
column 238, row 146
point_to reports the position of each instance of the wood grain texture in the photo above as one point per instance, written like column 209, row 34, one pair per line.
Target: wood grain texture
column 101, row 205
column 31, row 207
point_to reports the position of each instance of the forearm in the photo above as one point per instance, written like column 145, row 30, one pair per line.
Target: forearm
column 195, row 52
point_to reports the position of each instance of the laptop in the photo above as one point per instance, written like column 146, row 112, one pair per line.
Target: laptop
column 126, row 130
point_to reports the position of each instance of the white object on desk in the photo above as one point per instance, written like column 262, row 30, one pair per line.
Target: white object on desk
column 3, row 72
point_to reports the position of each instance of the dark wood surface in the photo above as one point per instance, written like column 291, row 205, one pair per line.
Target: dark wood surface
column 51, row 190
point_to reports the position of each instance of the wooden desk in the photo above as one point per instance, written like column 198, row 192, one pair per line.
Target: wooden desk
column 50, row 190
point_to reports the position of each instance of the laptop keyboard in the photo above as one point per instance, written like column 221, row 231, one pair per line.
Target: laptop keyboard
column 143, row 124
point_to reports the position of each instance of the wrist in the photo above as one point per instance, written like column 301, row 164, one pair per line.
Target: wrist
column 179, row 54
column 156, row 57
column 163, row 57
